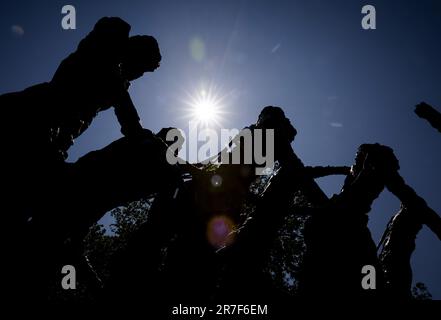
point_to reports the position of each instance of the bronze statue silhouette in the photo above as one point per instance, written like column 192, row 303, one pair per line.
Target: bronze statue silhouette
column 246, row 258
column 93, row 78
column 398, row 241
column 211, row 227
column 96, row 77
column 339, row 233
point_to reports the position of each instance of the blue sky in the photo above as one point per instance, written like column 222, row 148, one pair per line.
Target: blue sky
column 339, row 84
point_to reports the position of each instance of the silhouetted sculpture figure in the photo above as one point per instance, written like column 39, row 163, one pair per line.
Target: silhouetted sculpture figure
column 425, row 111
column 244, row 260
column 339, row 233
column 399, row 238
column 96, row 77
column 337, row 237
column 241, row 175
column 93, row 78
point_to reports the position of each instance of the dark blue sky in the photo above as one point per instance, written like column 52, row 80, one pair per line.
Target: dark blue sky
column 339, row 84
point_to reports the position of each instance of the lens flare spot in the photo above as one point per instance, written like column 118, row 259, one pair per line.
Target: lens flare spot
column 17, row 30
column 219, row 230
column 216, row 180
column 197, row 49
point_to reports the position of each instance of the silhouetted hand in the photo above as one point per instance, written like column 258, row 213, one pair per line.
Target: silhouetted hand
column 423, row 110
column 427, row 112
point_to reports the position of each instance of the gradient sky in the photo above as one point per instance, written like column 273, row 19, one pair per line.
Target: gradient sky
column 339, row 84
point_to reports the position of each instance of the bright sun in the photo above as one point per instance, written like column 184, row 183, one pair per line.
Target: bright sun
column 206, row 106
column 205, row 109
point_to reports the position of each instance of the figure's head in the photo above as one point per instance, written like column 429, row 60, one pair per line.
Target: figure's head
column 274, row 118
column 375, row 156
column 376, row 164
column 142, row 55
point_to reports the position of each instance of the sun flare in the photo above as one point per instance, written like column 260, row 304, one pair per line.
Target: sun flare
column 205, row 110
column 205, row 107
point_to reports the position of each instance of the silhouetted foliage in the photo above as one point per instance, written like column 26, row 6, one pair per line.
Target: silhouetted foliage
column 421, row 292
column 99, row 247
column 129, row 218
column 100, row 244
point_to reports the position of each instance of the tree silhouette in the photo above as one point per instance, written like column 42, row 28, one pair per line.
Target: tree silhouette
column 100, row 245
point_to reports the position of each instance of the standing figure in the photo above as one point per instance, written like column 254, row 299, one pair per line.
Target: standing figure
column 398, row 241
column 338, row 240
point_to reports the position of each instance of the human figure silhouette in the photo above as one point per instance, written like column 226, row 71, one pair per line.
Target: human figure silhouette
column 96, row 77
column 247, row 256
column 93, row 78
column 398, row 241
column 337, row 236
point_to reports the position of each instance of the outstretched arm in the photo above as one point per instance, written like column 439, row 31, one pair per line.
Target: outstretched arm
column 318, row 172
column 409, row 198
column 127, row 116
